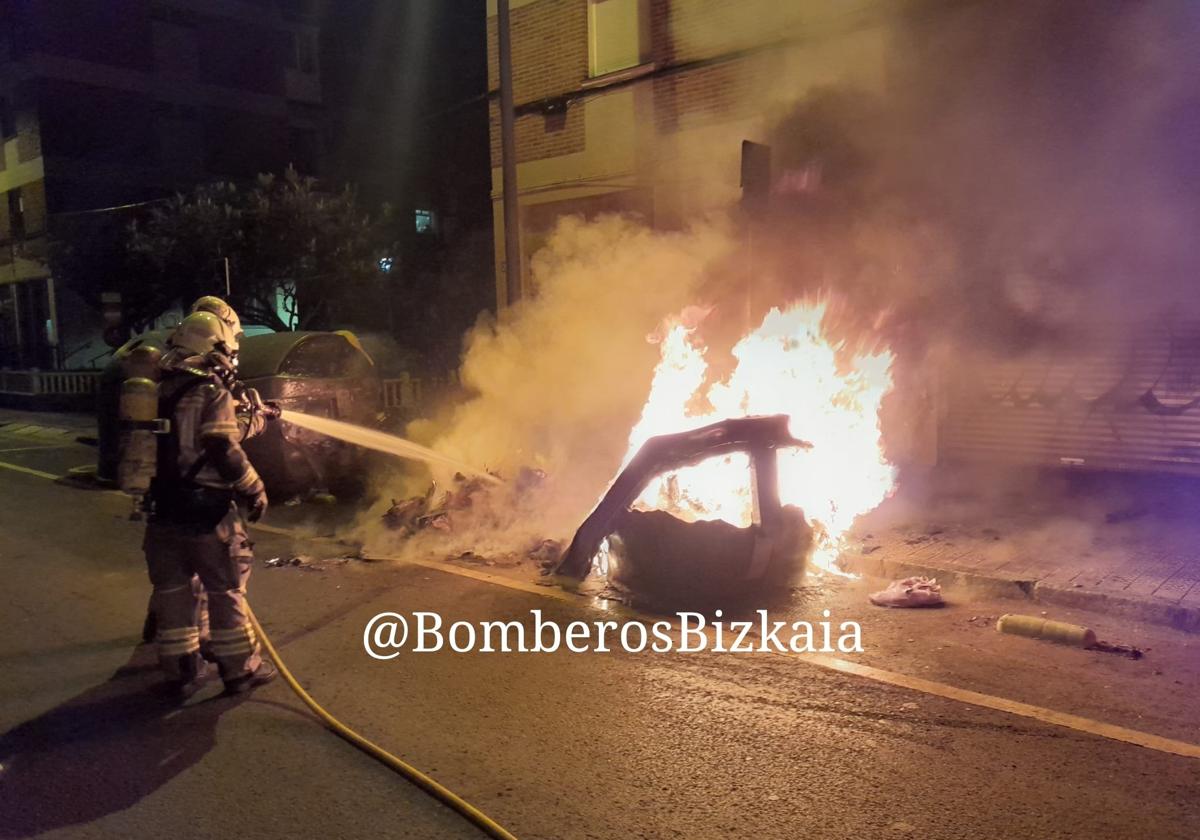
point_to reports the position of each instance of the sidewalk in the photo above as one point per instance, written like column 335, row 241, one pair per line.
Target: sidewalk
column 1121, row 545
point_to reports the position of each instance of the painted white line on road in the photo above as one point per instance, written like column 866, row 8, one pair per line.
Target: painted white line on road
column 552, row 592
column 949, row 692
column 43, row 446
column 4, row 465
column 1003, row 704
column 283, row 532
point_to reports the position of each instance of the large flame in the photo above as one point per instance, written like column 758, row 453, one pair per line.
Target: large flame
column 786, row 366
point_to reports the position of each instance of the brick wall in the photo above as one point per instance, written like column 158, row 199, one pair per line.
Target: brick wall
column 710, row 94
column 550, row 57
column 538, row 137
column 682, row 31
column 686, row 30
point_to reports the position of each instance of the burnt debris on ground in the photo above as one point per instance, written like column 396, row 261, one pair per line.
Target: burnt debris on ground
column 459, row 508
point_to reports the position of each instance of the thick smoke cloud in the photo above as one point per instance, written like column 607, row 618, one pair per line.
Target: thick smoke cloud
column 558, row 381
column 1017, row 174
column 1028, row 172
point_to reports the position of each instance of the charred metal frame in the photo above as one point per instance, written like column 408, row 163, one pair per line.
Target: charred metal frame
column 758, row 436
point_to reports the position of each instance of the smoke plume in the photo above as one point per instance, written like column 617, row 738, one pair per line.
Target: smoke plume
column 559, row 380
column 966, row 179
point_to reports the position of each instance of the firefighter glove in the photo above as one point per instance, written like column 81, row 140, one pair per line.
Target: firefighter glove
column 255, row 504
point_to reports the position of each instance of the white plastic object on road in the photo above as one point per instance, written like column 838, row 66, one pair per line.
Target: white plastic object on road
column 910, row 592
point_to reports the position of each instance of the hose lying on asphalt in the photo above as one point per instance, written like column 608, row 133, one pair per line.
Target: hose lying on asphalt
column 427, row 784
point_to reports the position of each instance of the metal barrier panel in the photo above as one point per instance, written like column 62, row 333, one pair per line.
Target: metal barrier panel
column 403, row 392
column 49, row 383
column 18, row 382
column 1127, row 405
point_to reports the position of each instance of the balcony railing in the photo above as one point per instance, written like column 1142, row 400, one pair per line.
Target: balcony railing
column 38, row 383
column 411, row 393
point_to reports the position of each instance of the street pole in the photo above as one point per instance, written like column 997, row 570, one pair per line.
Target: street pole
column 508, row 160
column 16, row 308
column 52, row 326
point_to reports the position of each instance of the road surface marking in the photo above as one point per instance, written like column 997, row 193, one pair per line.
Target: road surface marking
column 283, row 532
column 28, row 471
column 857, row 669
column 1002, row 704
column 949, row 692
column 552, row 592
column 43, row 446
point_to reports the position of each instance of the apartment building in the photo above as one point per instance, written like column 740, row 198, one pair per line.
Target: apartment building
column 114, row 103
column 641, row 105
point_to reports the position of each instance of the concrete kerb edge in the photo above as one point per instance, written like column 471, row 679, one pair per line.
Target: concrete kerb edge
column 1148, row 610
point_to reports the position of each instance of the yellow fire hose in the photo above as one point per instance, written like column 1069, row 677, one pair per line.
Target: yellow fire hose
column 427, row 784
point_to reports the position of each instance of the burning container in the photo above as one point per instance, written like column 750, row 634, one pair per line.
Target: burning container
column 326, row 374
column 662, row 561
column 322, row 373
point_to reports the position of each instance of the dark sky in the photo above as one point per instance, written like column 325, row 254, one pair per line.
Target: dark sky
column 396, row 75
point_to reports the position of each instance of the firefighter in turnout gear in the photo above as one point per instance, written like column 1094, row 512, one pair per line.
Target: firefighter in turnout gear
column 204, row 490
column 252, row 412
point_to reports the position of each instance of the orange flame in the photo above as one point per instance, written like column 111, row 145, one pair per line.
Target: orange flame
column 786, row 366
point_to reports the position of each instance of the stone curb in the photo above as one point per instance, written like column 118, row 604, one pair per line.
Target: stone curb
column 1149, row 610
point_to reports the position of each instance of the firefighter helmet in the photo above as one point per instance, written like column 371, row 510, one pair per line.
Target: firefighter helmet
column 202, row 333
column 218, row 307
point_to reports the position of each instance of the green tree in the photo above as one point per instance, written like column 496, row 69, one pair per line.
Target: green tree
column 282, row 237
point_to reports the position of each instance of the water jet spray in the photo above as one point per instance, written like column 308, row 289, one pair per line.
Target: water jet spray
column 380, row 442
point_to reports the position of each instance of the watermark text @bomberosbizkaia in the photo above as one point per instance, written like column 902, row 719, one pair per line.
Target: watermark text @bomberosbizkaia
column 387, row 634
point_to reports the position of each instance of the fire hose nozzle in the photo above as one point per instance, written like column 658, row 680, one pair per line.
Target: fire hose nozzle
column 258, row 405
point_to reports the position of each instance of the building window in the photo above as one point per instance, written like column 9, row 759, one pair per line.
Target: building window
column 426, row 221
column 618, row 35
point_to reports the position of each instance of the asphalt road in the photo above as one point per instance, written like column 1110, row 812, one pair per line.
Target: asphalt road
column 559, row 745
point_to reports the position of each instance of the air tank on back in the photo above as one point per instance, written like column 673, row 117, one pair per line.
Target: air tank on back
column 322, row 373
